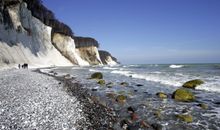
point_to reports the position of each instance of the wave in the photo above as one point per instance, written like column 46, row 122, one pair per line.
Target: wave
column 126, row 73
column 92, row 70
column 153, row 76
column 210, row 86
column 109, row 68
column 176, row 66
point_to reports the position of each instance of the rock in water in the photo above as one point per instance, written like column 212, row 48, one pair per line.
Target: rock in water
column 121, row 99
column 101, row 82
column 187, row 118
column 97, row 75
column 124, row 84
column 183, row 95
column 161, row 95
column 203, row 106
column 193, row 83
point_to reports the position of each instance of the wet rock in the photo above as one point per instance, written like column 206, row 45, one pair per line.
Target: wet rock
column 157, row 113
column 121, row 99
column 124, row 84
column 161, row 95
column 193, row 83
column 133, row 127
column 59, row 83
column 134, row 116
column 124, row 124
column 130, row 110
column 139, row 85
column 67, row 76
column 101, row 82
column 156, row 126
column 183, row 95
column 185, row 117
column 97, row 75
column 135, row 90
column 94, row 89
column 144, row 124
column 203, row 106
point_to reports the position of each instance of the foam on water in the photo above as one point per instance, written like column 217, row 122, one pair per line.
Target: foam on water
column 176, row 66
column 212, row 84
column 92, row 70
column 109, row 68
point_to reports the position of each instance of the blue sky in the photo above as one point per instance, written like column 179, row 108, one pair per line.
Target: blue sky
column 147, row 31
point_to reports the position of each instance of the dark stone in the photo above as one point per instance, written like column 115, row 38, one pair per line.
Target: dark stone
column 133, row 127
column 130, row 110
column 97, row 75
column 94, row 89
column 139, row 85
column 157, row 126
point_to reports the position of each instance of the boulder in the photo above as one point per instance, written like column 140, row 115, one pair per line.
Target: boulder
column 203, row 106
column 124, row 84
column 161, row 95
column 121, row 99
column 183, row 95
column 101, row 82
column 193, row 83
column 97, row 75
column 185, row 117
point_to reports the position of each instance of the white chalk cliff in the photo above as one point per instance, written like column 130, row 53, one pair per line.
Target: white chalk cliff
column 26, row 39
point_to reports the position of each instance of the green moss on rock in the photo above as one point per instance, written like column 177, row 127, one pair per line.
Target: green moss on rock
column 97, row 75
column 101, row 82
column 203, row 106
column 187, row 118
column 183, row 95
column 121, row 99
column 193, row 83
column 161, row 95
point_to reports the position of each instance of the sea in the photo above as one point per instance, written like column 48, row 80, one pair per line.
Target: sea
column 144, row 81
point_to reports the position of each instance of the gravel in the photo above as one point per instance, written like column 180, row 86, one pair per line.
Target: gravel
column 29, row 100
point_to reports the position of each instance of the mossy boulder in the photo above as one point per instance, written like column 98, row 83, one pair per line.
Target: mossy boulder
column 121, row 99
column 97, row 75
column 203, row 106
column 101, row 82
column 193, row 83
column 124, row 84
column 183, row 95
column 185, row 117
column 161, row 95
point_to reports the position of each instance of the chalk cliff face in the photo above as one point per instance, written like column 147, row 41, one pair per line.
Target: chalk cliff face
column 66, row 45
column 87, row 48
column 107, row 58
column 32, row 36
column 25, row 39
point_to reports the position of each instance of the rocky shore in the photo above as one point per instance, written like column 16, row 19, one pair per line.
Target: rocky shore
column 97, row 115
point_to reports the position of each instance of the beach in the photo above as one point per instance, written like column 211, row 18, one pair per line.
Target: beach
column 30, row 100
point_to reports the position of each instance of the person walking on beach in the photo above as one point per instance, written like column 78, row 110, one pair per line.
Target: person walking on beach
column 19, row 66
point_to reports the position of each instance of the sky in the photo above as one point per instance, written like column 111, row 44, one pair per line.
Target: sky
column 147, row 31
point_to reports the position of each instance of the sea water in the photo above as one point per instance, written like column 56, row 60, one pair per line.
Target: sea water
column 146, row 80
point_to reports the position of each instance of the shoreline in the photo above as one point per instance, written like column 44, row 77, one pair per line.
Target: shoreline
column 96, row 114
